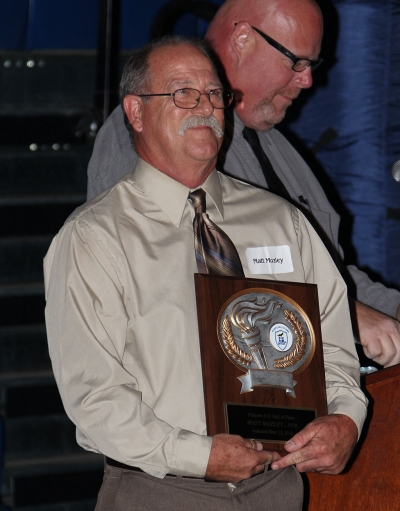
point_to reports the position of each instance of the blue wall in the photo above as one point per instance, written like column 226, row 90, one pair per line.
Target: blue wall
column 359, row 96
column 72, row 24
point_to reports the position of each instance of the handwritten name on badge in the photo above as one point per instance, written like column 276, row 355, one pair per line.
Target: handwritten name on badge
column 269, row 260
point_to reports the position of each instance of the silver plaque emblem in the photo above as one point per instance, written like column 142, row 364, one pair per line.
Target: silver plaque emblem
column 268, row 336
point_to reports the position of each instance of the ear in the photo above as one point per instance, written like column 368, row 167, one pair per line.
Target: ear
column 242, row 39
column 133, row 107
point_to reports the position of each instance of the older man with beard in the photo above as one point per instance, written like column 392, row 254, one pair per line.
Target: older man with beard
column 268, row 49
column 121, row 314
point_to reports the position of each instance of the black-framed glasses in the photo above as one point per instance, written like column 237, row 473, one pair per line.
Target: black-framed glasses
column 190, row 98
column 299, row 64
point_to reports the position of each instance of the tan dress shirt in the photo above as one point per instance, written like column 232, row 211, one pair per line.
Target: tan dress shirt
column 121, row 314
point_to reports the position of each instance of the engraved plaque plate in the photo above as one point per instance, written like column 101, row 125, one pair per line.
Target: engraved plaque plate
column 266, row 423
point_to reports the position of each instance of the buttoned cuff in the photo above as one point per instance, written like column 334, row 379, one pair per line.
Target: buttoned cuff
column 354, row 408
column 191, row 454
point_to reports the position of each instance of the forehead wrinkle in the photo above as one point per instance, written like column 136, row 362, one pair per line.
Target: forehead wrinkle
column 178, row 83
column 190, row 68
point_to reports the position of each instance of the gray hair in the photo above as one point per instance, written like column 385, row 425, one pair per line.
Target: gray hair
column 136, row 76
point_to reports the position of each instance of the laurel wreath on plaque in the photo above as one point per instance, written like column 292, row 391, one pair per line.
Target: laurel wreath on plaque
column 280, row 363
column 255, row 329
column 300, row 347
column 231, row 346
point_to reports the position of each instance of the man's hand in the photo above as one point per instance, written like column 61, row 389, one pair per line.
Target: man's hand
column 379, row 335
column 324, row 445
column 233, row 458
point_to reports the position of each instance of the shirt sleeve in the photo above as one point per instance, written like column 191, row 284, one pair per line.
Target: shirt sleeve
column 87, row 318
column 375, row 294
column 342, row 368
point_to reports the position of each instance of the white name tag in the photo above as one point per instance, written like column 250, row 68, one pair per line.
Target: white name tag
column 269, row 260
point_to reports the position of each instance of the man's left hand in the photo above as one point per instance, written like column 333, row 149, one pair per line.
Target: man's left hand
column 323, row 446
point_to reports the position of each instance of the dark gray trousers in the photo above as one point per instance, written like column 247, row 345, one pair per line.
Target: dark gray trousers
column 124, row 490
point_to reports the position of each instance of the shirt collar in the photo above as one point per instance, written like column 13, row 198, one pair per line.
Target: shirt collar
column 171, row 195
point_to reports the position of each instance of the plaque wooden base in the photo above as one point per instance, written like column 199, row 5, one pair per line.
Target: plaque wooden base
column 267, row 413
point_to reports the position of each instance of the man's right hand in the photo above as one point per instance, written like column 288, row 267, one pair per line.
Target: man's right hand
column 379, row 335
column 233, row 458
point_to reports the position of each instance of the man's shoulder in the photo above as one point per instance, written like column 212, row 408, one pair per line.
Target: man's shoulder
column 108, row 204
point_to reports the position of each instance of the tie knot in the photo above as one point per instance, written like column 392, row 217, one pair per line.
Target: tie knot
column 198, row 199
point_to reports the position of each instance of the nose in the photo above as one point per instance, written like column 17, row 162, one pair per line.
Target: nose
column 304, row 79
column 205, row 104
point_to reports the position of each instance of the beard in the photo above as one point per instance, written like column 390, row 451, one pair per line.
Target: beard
column 267, row 114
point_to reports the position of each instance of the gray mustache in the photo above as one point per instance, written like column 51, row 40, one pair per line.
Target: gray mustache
column 197, row 120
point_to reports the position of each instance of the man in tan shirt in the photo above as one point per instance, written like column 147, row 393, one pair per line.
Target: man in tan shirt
column 121, row 316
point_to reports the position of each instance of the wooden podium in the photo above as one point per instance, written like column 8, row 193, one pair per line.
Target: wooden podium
column 373, row 480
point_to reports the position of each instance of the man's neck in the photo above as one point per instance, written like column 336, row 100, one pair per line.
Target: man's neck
column 193, row 175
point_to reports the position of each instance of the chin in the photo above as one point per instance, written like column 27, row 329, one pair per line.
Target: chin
column 207, row 146
column 267, row 121
column 264, row 116
column 204, row 156
column 202, row 151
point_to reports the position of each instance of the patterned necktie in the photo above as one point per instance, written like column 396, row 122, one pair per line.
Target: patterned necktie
column 215, row 252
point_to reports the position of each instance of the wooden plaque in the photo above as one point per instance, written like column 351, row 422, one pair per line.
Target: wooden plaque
column 262, row 360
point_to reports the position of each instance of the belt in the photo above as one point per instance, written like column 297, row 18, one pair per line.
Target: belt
column 117, row 464
column 114, row 463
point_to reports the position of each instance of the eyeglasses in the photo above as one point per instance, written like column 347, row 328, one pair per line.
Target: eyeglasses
column 299, row 64
column 190, row 98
